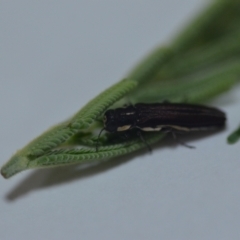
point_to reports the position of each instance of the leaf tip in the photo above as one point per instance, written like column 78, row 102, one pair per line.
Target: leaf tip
column 14, row 165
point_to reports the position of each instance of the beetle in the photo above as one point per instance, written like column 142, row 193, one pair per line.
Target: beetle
column 172, row 117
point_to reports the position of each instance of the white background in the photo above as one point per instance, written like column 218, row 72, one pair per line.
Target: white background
column 55, row 57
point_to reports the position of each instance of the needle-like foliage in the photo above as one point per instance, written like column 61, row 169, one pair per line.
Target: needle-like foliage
column 202, row 62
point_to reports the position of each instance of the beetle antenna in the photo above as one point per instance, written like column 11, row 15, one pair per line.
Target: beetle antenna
column 98, row 138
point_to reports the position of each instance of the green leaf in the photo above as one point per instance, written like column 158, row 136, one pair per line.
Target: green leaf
column 234, row 137
column 61, row 133
column 202, row 62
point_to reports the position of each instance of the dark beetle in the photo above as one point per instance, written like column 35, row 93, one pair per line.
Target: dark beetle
column 173, row 117
column 158, row 116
